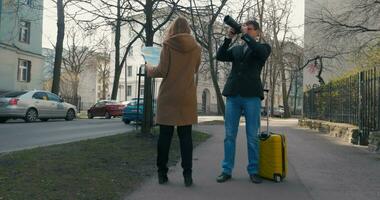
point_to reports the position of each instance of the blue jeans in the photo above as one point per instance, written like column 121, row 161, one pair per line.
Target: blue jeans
column 234, row 107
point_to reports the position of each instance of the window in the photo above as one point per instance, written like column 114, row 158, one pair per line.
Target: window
column 28, row 2
column 12, row 94
column 53, row 97
column 129, row 71
column 129, row 90
column 40, row 96
column 130, row 52
column 23, row 72
column 24, row 35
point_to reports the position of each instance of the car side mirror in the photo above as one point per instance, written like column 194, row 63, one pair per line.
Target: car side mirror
column 61, row 100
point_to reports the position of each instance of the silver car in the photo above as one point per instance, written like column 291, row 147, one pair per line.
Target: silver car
column 33, row 105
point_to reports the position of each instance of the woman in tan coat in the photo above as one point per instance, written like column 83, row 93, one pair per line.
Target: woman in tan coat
column 177, row 98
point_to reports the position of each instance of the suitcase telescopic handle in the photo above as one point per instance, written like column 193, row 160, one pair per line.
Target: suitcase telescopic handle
column 267, row 109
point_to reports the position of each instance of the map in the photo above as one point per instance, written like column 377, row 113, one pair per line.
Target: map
column 151, row 55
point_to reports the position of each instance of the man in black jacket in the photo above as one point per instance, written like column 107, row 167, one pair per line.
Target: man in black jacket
column 244, row 93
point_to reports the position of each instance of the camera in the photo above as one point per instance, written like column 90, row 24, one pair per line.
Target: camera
column 233, row 24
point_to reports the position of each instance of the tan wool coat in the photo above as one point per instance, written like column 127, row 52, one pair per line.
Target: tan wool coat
column 177, row 97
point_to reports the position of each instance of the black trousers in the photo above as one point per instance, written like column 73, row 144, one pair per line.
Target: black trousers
column 186, row 145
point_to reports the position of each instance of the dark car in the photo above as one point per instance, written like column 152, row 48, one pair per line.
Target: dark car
column 135, row 113
column 106, row 108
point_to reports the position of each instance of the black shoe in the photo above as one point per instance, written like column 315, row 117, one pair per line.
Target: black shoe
column 223, row 178
column 255, row 178
column 162, row 178
column 188, row 181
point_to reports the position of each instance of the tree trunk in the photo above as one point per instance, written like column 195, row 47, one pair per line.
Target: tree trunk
column 75, row 86
column 148, row 111
column 117, row 54
column 280, row 63
column 58, row 47
column 104, row 88
column 284, row 91
column 295, row 93
column 214, row 79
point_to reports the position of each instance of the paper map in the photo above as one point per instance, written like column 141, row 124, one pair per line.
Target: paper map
column 151, row 55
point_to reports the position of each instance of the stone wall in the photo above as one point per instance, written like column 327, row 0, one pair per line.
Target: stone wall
column 346, row 132
column 374, row 142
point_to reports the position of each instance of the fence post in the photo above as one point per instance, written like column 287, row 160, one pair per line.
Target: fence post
column 329, row 86
column 360, row 107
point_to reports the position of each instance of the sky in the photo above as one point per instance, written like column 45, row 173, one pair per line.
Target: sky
column 50, row 27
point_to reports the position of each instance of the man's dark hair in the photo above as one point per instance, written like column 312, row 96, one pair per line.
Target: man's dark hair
column 254, row 23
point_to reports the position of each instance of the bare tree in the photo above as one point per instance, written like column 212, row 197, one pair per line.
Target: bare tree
column 358, row 22
column 76, row 59
column 339, row 33
column 114, row 14
column 293, row 59
column 203, row 19
column 141, row 20
column 278, row 19
column 61, row 5
column 103, row 68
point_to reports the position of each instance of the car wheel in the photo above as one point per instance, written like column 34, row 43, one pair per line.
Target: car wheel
column 3, row 120
column 107, row 115
column 31, row 115
column 126, row 121
column 44, row 119
column 70, row 115
column 90, row 115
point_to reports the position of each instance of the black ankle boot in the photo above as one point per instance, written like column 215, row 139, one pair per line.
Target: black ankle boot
column 188, row 180
column 162, row 178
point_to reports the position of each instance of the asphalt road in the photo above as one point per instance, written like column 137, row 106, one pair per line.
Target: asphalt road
column 17, row 135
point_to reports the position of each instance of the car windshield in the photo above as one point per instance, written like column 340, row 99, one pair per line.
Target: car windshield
column 13, row 94
column 134, row 103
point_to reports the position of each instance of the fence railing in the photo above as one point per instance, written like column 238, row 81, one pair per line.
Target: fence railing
column 354, row 100
column 74, row 101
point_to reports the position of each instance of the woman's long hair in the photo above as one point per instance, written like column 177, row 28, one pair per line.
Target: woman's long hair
column 179, row 25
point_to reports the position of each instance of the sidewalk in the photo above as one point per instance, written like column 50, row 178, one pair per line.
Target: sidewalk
column 206, row 166
column 320, row 167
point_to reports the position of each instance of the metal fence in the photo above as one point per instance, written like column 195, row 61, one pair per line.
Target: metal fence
column 354, row 100
column 74, row 101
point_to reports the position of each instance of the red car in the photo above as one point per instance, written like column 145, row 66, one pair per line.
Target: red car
column 107, row 109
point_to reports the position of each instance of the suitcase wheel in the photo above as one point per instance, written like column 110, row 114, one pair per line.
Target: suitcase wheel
column 277, row 178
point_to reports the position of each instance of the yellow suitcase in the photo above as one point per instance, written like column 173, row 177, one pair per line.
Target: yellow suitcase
column 273, row 159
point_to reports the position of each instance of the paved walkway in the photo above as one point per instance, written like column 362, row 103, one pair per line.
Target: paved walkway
column 320, row 168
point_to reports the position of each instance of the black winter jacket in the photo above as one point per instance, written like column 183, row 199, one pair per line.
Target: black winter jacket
column 244, row 78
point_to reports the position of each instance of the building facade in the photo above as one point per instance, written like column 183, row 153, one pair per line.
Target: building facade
column 21, row 59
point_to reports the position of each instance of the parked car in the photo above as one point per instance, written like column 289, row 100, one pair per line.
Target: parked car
column 33, row 105
column 278, row 112
column 125, row 103
column 263, row 111
column 130, row 111
column 106, row 108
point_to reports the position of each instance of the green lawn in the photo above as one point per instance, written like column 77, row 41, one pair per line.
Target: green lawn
column 104, row 168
